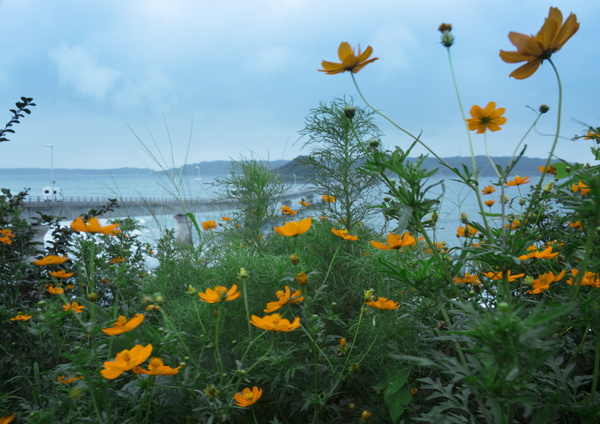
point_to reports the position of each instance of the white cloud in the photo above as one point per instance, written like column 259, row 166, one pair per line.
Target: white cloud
column 151, row 92
column 77, row 67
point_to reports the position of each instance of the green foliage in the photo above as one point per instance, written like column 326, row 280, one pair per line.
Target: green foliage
column 22, row 106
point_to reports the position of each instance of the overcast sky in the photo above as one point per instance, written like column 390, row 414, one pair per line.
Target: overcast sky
column 238, row 77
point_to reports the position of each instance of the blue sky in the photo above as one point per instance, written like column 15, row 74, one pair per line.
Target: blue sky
column 238, row 77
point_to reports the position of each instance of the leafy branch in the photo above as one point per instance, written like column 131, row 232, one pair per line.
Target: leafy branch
column 22, row 106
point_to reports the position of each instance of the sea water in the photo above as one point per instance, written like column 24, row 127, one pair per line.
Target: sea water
column 455, row 198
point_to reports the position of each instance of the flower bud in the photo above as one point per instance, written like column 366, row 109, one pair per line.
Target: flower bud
column 568, row 169
column 355, row 367
column 182, row 364
column 528, row 280
column 159, row 299
column 544, row 108
column 447, row 39
column 242, row 274
column 369, row 294
column 503, row 307
column 92, row 297
column 522, row 201
column 294, row 259
column 373, row 143
column 414, row 391
column 366, row 416
column 351, row 406
column 147, row 299
column 211, row 391
column 350, row 111
column 387, row 198
column 464, row 217
column 302, row 279
column 548, row 187
column 392, row 181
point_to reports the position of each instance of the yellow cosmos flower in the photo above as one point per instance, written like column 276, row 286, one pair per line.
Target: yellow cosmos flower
column 55, row 290
column 518, row 181
column 488, row 190
column 220, row 294
column 576, row 224
column 8, row 418
column 247, row 397
column 284, row 297
column 61, row 273
column 92, row 226
column 294, row 228
column 468, row 279
column 208, row 225
column 123, row 326
column 73, row 307
column 126, row 361
column 5, row 236
column 51, row 260
column 498, row 276
column 383, row 303
column 535, row 49
column 543, row 282
column 156, row 367
column 395, row 241
column 580, row 187
column 470, row 231
column 344, row 234
column 61, row 379
column 275, row 323
column 350, row 62
column 550, row 170
column 489, row 118
column 21, row 317
column 589, row 279
column 544, row 254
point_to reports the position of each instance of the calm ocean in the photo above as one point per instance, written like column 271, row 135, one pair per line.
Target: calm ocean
column 457, row 198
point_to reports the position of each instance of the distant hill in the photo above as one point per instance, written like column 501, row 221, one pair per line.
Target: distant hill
column 526, row 166
column 216, row 168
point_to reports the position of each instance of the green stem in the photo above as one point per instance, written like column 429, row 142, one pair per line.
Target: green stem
column 246, row 306
column 217, row 352
column 596, row 366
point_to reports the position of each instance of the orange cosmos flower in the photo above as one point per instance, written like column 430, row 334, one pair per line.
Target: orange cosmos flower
column 123, row 326
column 284, row 297
column 518, row 181
column 5, row 236
column 535, row 49
column 498, row 276
column 383, row 303
column 302, row 279
column 116, row 260
column 344, row 234
column 294, row 228
column 220, row 294
column 488, row 190
column 544, row 254
column 327, row 198
column 592, row 136
column 576, row 224
column 589, row 279
column 55, row 290
column 395, row 241
column 61, row 379
column 61, row 274
column 8, row 418
column 489, row 118
column 489, row 203
column 303, row 203
column 156, row 367
column 543, row 282
column 461, row 231
column 226, row 218
column 580, row 187
column 247, row 397
column 92, row 226
column 21, row 317
column 468, row 279
column 350, row 62
column 126, row 361
column 550, row 170
column 51, row 260
column 275, row 323
column 208, row 225
column 73, row 307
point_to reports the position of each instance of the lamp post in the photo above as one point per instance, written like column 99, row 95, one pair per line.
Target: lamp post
column 52, row 169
